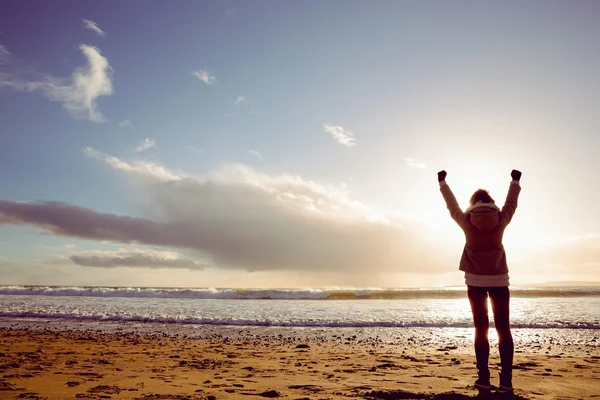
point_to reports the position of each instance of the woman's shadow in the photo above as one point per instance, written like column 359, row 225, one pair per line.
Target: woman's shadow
column 404, row 395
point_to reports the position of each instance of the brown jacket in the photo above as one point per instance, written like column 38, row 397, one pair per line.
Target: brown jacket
column 483, row 225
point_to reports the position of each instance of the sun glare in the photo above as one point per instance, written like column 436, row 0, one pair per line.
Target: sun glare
column 521, row 237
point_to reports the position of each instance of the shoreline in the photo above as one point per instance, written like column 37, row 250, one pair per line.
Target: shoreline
column 548, row 341
column 39, row 360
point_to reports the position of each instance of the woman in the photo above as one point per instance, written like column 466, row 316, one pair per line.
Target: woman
column 486, row 272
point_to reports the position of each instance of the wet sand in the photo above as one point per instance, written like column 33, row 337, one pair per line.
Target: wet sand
column 68, row 364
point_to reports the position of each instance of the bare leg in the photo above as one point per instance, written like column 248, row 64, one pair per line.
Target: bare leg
column 478, row 299
column 500, row 298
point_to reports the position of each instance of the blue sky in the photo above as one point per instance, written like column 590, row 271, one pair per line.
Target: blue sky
column 476, row 88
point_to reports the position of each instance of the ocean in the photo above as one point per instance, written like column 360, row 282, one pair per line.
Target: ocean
column 548, row 320
column 531, row 308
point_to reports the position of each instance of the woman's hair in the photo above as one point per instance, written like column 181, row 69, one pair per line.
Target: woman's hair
column 481, row 195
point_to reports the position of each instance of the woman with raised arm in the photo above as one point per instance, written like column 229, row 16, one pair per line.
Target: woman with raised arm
column 486, row 272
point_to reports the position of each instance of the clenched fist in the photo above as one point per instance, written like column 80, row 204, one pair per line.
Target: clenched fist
column 516, row 174
column 442, row 175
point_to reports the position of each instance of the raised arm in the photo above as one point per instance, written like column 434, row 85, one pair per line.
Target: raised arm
column 510, row 205
column 455, row 212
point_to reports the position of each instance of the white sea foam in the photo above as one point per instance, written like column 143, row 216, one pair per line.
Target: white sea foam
column 296, row 323
column 280, row 294
column 413, row 308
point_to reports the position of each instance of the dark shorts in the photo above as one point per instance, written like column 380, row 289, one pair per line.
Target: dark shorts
column 500, row 299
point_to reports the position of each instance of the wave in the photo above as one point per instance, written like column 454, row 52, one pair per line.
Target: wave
column 282, row 294
column 293, row 324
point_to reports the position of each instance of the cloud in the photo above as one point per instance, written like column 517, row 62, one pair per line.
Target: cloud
column 342, row 135
column 241, row 101
column 569, row 259
column 125, row 124
column 78, row 95
column 93, row 26
column 240, row 174
column 243, row 219
column 145, row 145
column 575, row 255
column 243, row 105
column 415, row 163
column 204, row 76
column 255, row 153
column 141, row 168
column 143, row 258
column 5, row 55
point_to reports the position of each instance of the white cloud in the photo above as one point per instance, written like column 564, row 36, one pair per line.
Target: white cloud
column 278, row 186
column 242, row 101
column 577, row 255
column 239, row 218
column 126, row 124
column 145, row 145
column 78, row 95
column 342, row 135
column 204, row 76
column 5, row 54
column 255, row 153
column 93, row 26
column 134, row 258
column 146, row 169
column 415, row 163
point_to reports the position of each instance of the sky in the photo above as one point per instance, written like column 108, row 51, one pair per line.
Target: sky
column 293, row 144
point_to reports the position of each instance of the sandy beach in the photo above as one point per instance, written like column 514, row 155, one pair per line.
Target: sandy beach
column 47, row 364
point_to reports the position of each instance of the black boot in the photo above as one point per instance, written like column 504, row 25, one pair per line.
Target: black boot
column 483, row 381
column 506, row 382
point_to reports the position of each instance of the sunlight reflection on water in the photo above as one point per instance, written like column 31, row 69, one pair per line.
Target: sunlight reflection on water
column 525, row 312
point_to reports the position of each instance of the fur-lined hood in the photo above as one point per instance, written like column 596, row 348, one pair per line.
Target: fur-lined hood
column 483, row 216
column 479, row 204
